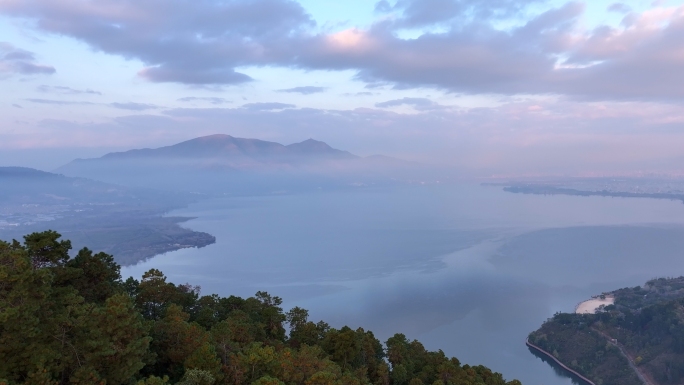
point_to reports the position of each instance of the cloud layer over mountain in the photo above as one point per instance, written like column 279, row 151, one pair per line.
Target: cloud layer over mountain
column 532, row 86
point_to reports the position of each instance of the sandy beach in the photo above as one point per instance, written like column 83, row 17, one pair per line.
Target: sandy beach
column 590, row 306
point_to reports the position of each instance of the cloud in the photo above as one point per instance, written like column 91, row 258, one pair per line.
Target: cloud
column 552, row 137
column 556, row 137
column 619, row 8
column 474, row 58
column 417, row 103
column 306, row 90
column 167, row 73
column 185, row 41
column 642, row 61
column 58, row 102
column 267, row 106
column 547, row 53
column 17, row 106
column 18, row 61
column 210, row 99
column 66, row 90
column 362, row 93
column 420, row 13
column 134, row 106
column 123, row 106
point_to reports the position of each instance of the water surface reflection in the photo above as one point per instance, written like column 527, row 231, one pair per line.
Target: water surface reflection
column 467, row 269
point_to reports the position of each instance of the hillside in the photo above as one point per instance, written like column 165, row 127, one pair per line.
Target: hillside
column 641, row 334
column 74, row 321
column 128, row 222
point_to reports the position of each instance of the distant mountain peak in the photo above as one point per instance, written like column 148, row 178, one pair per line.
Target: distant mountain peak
column 312, row 140
column 228, row 151
column 225, row 163
column 316, row 147
column 311, row 143
column 212, row 138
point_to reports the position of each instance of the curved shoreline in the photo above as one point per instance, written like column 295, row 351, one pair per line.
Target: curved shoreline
column 528, row 343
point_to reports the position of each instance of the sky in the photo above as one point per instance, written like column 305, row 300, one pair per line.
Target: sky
column 487, row 87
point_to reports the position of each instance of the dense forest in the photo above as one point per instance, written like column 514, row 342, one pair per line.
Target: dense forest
column 67, row 320
column 645, row 324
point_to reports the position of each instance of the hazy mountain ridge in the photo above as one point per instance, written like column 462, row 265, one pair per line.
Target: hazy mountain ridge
column 24, row 172
column 27, row 185
column 227, row 165
column 226, row 147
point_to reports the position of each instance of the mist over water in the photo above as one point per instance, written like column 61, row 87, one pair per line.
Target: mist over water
column 467, row 269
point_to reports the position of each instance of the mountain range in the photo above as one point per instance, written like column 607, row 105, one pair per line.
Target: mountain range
column 228, row 165
column 227, row 148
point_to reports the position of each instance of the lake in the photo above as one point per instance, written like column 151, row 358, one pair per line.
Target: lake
column 468, row 269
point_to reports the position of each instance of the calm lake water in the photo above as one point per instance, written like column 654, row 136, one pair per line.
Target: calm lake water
column 467, row 269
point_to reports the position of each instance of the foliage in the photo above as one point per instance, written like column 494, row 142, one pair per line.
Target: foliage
column 648, row 322
column 73, row 320
column 570, row 338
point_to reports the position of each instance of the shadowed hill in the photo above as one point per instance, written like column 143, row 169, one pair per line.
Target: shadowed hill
column 311, row 147
column 222, row 164
column 21, row 185
column 226, row 147
column 19, row 172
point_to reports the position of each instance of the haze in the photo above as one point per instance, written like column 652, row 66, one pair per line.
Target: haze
column 500, row 87
column 455, row 170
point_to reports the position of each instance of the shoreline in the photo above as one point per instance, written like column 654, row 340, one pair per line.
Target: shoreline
column 541, row 189
column 130, row 237
column 562, row 365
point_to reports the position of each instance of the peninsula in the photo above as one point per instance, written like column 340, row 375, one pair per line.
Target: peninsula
column 130, row 223
column 630, row 336
column 586, row 187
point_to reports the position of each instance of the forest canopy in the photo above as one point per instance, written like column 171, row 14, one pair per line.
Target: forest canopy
column 73, row 320
column 646, row 323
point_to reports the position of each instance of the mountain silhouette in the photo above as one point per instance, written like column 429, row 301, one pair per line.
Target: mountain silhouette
column 226, row 147
column 230, row 165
